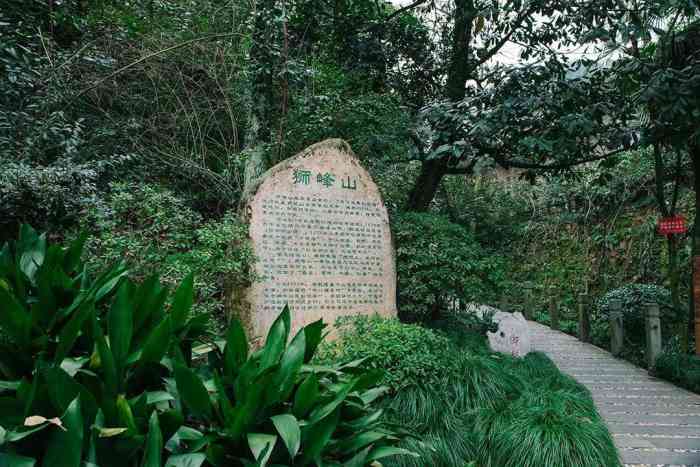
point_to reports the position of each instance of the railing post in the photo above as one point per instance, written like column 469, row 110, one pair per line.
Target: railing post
column 553, row 314
column 617, row 330
column 584, row 324
column 653, row 333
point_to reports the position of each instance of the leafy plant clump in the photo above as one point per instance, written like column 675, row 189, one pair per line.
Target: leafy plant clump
column 487, row 408
column 683, row 370
column 408, row 355
column 154, row 230
column 439, row 263
column 101, row 372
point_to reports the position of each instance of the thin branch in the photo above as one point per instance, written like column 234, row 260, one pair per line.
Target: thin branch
column 555, row 166
column 151, row 55
column 403, row 9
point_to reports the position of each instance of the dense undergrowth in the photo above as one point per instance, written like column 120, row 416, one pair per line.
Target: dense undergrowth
column 488, row 408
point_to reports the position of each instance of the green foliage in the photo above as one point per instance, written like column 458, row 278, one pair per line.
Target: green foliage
column 466, row 413
column 154, row 230
column 272, row 406
column 84, row 358
column 375, row 125
column 47, row 297
column 408, row 355
column 438, row 263
column 683, row 370
column 632, row 298
column 111, row 380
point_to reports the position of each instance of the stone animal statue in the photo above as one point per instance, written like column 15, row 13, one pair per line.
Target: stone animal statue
column 512, row 336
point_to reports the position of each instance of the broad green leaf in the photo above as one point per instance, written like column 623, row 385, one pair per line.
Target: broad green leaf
column 359, row 441
column 318, row 436
column 91, row 455
column 182, row 302
column 14, row 436
column 292, row 360
column 306, row 396
column 261, row 445
column 323, row 411
column 364, row 421
column 126, row 416
column 157, row 343
column 149, row 298
column 107, row 364
column 154, row 397
column 246, row 410
column 16, row 321
column 386, row 451
column 236, row 350
column 360, row 459
column 65, row 447
column 288, row 428
column 186, row 460
column 154, row 443
column 9, row 385
column 225, row 407
column 276, row 339
column 373, row 394
column 104, row 287
column 184, row 433
column 69, row 332
column 71, row 260
column 121, row 325
column 12, row 460
column 62, row 390
column 192, row 392
column 32, row 254
column 314, row 336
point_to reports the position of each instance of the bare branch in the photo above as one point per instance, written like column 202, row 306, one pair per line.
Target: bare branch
column 505, row 163
column 403, row 9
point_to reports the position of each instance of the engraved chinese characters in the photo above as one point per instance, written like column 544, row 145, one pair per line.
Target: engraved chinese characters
column 321, row 236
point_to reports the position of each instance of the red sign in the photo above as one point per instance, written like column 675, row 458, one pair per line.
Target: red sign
column 672, row 225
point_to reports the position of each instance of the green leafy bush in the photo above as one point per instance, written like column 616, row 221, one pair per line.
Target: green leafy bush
column 408, row 355
column 271, row 406
column 84, row 359
column 153, row 230
column 683, row 370
column 109, row 378
column 466, row 412
column 439, row 262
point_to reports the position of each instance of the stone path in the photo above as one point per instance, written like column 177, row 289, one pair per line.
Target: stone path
column 653, row 422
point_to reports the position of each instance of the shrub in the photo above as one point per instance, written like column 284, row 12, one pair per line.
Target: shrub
column 467, row 412
column 683, row 370
column 111, row 382
column 83, row 376
column 439, row 263
column 408, row 355
column 155, row 231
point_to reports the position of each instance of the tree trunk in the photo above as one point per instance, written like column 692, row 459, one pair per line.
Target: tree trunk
column 264, row 66
column 426, row 185
column 695, row 265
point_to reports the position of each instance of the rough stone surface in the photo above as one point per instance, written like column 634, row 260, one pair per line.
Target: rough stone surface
column 653, row 422
column 321, row 234
column 512, row 336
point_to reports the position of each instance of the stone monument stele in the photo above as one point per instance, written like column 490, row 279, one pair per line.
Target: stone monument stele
column 320, row 233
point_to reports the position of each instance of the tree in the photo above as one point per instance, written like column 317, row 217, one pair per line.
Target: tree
column 473, row 32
